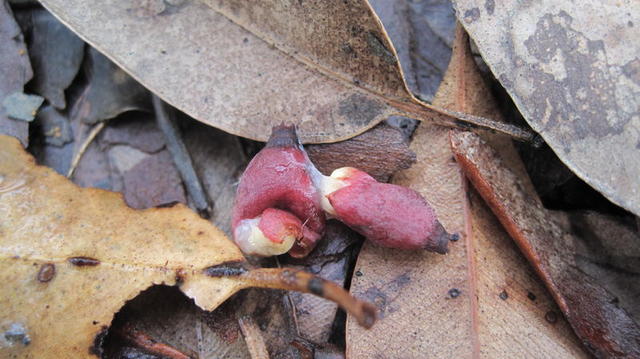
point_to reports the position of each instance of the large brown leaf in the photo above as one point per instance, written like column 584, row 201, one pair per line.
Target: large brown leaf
column 244, row 66
column 481, row 299
column 594, row 313
column 573, row 70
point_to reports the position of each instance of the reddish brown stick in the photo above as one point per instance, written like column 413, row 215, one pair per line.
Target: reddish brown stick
column 147, row 343
column 606, row 329
column 300, row 281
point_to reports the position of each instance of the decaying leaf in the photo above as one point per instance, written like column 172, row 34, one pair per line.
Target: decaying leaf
column 327, row 66
column 604, row 326
column 15, row 71
column 56, row 54
column 109, row 91
column 71, row 257
column 481, row 299
column 573, row 70
column 422, row 33
column 380, row 152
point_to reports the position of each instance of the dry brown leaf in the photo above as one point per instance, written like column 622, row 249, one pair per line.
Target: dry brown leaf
column 380, row 152
column 70, row 258
column 573, row 70
column 476, row 300
column 606, row 328
column 245, row 66
column 56, row 66
column 15, row 71
column 109, row 91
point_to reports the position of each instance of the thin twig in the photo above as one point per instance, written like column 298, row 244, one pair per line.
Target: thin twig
column 166, row 121
column 145, row 342
column 291, row 279
column 253, row 338
column 83, row 148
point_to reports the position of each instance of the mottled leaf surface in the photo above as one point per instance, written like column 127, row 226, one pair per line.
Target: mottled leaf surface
column 573, row 70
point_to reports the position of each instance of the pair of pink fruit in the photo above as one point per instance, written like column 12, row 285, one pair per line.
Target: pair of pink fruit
column 283, row 201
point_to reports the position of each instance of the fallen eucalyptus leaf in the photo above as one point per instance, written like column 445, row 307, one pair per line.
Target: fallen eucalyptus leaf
column 573, row 70
column 473, row 302
column 15, row 71
column 109, row 91
column 56, row 54
column 605, row 327
column 327, row 66
column 71, row 257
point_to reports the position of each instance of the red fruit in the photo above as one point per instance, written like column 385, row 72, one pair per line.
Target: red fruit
column 273, row 232
column 390, row 215
column 279, row 225
column 278, row 178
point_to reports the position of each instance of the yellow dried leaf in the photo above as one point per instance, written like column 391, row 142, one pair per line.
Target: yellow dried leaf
column 70, row 257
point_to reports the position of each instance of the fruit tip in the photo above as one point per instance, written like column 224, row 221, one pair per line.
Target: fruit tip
column 283, row 135
column 439, row 241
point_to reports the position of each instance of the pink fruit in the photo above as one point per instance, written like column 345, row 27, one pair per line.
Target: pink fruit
column 390, row 215
column 278, row 178
column 282, row 199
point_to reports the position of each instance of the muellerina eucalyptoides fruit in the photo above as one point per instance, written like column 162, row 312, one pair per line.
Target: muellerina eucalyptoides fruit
column 278, row 177
column 282, row 199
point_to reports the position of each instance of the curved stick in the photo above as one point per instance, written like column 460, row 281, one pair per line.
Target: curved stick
column 300, row 281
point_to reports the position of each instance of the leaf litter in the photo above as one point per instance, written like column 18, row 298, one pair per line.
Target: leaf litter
column 15, row 72
column 218, row 160
column 103, row 254
column 348, row 63
column 451, row 306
